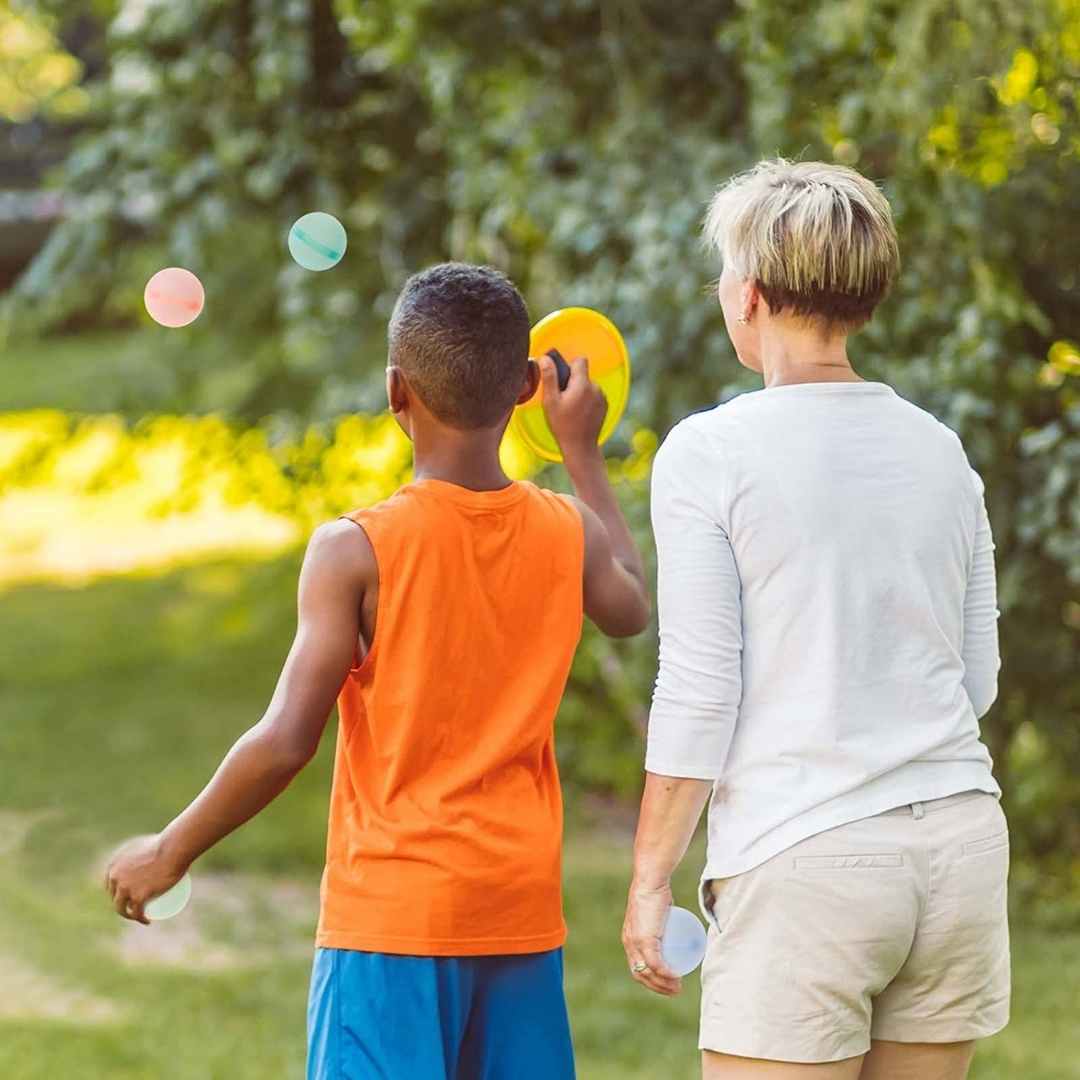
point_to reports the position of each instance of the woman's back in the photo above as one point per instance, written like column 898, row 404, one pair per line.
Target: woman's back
column 828, row 642
column 839, row 640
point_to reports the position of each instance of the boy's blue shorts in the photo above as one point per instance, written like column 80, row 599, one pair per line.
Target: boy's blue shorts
column 379, row 1016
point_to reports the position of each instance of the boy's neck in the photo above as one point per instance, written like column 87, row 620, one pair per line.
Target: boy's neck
column 469, row 459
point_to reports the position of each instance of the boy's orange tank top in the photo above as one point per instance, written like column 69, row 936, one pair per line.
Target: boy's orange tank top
column 445, row 830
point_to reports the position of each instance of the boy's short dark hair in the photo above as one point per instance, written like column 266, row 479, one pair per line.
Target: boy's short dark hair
column 461, row 335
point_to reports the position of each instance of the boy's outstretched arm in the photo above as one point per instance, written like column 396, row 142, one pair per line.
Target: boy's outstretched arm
column 338, row 566
column 616, row 592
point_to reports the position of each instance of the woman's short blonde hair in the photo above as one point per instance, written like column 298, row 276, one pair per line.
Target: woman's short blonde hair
column 816, row 238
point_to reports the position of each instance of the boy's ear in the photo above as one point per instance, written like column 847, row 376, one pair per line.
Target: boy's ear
column 397, row 394
column 532, row 381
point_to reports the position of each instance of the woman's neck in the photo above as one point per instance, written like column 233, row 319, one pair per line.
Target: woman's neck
column 798, row 356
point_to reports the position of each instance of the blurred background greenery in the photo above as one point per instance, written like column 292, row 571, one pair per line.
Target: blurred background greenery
column 157, row 486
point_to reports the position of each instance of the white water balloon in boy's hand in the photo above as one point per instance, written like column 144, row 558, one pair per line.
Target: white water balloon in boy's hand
column 683, row 944
column 170, row 902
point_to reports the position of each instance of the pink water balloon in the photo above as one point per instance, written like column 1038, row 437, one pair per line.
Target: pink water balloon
column 174, row 296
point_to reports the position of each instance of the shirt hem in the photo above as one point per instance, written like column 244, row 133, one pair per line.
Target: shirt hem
column 417, row 946
column 844, row 811
column 682, row 772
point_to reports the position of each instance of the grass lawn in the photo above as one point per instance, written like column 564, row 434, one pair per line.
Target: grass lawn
column 118, row 701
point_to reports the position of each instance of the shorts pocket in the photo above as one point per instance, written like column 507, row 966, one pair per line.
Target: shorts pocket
column 988, row 843
column 847, row 862
column 707, row 903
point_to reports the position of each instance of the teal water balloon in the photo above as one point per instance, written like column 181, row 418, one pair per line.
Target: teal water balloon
column 317, row 241
column 169, row 903
column 683, row 943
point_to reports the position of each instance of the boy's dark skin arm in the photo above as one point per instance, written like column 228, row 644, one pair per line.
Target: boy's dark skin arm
column 616, row 598
column 338, row 567
column 616, row 592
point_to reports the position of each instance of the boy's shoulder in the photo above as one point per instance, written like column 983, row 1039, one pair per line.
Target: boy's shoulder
column 563, row 502
column 401, row 496
column 390, row 515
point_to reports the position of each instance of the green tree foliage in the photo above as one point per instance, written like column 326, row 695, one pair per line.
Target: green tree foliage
column 575, row 143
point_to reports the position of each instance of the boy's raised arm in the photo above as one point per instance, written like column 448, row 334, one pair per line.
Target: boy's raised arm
column 616, row 597
column 616, row 593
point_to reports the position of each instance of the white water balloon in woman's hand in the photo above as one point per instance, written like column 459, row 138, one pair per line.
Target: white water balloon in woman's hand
column 683, row 944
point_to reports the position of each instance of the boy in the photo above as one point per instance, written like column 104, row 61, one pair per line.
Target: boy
column 444, row 621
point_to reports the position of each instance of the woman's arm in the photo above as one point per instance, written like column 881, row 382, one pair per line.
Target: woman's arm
column 699, row 681
column 670, row 809
column 699, row 605
column 980, row 651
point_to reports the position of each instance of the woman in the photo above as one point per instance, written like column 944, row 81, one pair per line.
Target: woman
column 828, row 642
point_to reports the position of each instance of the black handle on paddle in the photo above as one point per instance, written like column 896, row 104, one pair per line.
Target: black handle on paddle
column 561, row 367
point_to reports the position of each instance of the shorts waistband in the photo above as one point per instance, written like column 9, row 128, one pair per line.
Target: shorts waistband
column 917, row 809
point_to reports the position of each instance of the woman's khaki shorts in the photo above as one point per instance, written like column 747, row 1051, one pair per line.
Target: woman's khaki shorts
column 891, row 927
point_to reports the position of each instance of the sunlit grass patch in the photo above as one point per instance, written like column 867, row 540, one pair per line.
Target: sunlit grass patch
column 82, row 496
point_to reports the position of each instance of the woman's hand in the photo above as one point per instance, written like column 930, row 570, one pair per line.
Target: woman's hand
column 137, row 872
column 647, row 910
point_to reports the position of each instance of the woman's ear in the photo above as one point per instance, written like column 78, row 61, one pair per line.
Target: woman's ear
column 748, row 299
